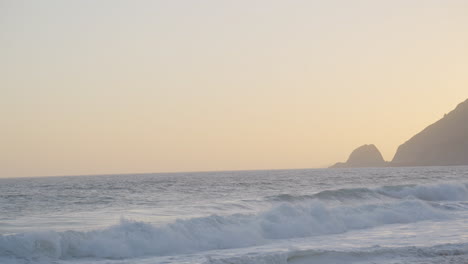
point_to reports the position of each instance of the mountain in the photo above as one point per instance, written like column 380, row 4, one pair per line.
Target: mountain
column 364, row 156
column 443, row 143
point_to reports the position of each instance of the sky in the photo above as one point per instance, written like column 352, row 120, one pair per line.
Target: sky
column 103, row 87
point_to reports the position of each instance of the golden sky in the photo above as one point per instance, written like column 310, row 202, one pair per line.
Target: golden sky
column 92, row 87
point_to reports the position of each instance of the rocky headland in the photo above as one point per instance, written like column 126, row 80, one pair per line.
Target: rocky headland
column 444, row 143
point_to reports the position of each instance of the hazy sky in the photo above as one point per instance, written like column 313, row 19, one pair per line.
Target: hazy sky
column 90, row 87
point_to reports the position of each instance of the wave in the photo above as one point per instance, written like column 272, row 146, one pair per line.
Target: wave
column 446, row 253
column 130, row 239
column 338, row 195
column 433, row 192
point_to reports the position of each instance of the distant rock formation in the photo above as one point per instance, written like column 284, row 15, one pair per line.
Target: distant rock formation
column 364, row 156
column 443, row 143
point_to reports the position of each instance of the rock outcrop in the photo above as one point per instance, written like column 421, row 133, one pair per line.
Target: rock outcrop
column 364, row 156
column 443, row 143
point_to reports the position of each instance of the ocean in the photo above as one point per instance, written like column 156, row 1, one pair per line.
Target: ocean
column 365, row 215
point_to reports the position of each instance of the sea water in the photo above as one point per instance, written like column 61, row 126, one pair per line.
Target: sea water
column 368, row 215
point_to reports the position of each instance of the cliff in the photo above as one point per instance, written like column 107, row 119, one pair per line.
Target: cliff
column 364, row 156
column 441, row 144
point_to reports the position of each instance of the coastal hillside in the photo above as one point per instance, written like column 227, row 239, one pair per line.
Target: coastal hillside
column 443, row 143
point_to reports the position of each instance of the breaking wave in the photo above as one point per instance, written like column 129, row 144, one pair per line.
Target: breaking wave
column 130, row 239
column 436, row 192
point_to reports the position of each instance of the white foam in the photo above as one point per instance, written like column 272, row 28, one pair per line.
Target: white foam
column 445, row 253
column 130, row 239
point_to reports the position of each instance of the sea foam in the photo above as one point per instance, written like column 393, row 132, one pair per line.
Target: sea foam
column 130, row 239
column 444, row 253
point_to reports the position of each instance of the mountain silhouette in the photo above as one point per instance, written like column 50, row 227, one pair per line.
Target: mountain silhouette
column 364, row 156
column 444, row 143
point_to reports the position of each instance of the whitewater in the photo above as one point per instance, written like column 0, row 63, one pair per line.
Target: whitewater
column 365, row 215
